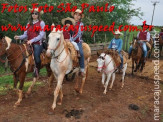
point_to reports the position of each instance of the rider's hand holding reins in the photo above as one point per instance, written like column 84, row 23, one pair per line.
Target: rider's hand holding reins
column 16, row 37
column 29, row 42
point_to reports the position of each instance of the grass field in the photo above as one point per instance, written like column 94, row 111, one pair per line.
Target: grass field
column 6, row 82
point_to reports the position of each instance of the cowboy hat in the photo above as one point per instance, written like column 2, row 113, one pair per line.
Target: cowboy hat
column 68, row 18
column 118, row 32
column 78, row 11
column 36, row 10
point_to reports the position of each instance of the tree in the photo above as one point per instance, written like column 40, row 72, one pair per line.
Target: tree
column 121, row 15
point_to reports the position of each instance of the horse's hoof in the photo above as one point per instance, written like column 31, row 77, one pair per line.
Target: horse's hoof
column 16, row 104
column 80, row 91
column 59, row 103
column 77, row 90
column 104, row 93
column 53, row 107
column 110, row 89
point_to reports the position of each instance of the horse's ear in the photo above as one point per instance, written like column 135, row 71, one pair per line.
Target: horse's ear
column 98, row 53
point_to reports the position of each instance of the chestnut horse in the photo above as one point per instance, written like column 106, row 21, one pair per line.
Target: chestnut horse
column 21, row 63
column 137, row 55
column 62, row 63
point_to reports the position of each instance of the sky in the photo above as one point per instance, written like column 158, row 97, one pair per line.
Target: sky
column 147, row 9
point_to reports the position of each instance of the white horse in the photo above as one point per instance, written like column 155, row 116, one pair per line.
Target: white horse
column 107, row 67
column 62, row 64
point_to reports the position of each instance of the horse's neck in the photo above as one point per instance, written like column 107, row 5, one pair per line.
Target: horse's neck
column 61, row 47
column 107, row 59
column 13, row 50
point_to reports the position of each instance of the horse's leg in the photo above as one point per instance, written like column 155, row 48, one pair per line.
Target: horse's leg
column 20, row 91
column 57, row 89
column 50, row 81
column 103, row 78
column 107, row 82
column 123, row 75
column 133, row 66
column 77, row 83
column 15, row 77
column 113, row 78
column 83, row 80
column 30, row 88
column 60, row 97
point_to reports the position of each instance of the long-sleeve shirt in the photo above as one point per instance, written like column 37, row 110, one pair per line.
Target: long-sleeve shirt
column 78, row 34
column 116, row 44
column 39, row 37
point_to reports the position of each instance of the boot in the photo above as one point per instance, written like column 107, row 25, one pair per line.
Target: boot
column 129, row 56
column 145, row 60
column 37, row 70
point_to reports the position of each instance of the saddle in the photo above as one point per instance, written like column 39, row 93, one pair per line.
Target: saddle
column 73, row 53
column 29, row 58
column 116, row 58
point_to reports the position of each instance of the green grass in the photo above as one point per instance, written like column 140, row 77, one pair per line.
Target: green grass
column 6, row 82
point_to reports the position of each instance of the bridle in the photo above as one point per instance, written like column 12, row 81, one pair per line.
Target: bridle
column 53, row 54
column 105, row 65
column 3, row 46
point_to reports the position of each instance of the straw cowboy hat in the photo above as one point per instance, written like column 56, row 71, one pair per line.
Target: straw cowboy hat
column 118, row 32
column 68, row 18
column 36, row 10
column 78, row 11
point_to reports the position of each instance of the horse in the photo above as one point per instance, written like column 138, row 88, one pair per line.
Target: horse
column 137, row 55
column 151, row 47
column 160, row 44
column 21, row 63
column 62, row 63
column 107, row 66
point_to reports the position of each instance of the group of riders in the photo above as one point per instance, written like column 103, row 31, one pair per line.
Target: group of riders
column 35, row 38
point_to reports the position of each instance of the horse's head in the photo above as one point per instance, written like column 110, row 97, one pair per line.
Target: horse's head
column 4, row 45
column 101, row 61
column 134, row 43
column 54, row 42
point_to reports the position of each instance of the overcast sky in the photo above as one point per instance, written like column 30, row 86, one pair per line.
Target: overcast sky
column 147, row 9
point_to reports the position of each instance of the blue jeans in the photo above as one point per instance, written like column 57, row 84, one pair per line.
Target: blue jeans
column 144, row 49
column 81, row 59
column 121, row 65
column 37, row 52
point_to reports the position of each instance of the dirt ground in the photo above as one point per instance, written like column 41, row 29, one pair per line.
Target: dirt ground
column 95, row 106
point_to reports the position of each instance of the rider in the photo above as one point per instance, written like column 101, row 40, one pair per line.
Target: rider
column 143, row 37
column 116, row 43
column 77, row 37
column 68, row 34
column 35, row 37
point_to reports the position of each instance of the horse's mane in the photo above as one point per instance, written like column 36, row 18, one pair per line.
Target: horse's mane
column 115, row 56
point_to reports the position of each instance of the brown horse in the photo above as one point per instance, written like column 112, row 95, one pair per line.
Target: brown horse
column 137, row 56
column 21, row 63
column 160, row 44
column 151, row 45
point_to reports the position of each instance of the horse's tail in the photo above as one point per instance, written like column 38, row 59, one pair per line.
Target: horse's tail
column 86, row 50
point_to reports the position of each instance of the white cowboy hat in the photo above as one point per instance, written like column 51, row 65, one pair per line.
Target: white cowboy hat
column 78, row 11
column 118, row 32
column 68, row 18
column 36, row 10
